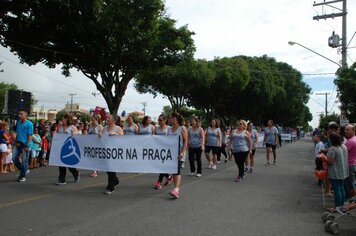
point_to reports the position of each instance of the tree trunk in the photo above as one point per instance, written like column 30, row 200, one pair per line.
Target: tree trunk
column 113, row 101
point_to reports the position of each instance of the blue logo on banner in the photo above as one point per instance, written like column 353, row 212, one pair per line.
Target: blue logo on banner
column 70, row 153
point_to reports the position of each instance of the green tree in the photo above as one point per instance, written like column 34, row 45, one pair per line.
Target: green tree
column 291, row 108
column 346, row 84
column 231, row 75
column 324, row 120
column 175, row 82
column 109, row 41
column 3, row 88
column 6, row 86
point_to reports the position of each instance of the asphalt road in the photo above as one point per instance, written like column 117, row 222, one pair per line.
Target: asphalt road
column 276, row 200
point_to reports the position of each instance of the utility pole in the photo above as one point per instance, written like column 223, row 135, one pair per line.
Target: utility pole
column 71, row 101
column 343, row 14
column 326, row 101
column 144, row 104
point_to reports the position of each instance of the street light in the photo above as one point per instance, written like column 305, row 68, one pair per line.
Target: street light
column 292, row 43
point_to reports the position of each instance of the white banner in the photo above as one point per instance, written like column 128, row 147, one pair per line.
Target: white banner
column 126, row 154
column 261, row 136
column 286, row 137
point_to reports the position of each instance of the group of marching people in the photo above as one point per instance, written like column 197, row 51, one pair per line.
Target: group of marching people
column 241, row 143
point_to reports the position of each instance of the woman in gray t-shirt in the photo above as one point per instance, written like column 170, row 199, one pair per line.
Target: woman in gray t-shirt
column 146, row 128
column 130, row 128
column 213, row 143
column 95, row 128
column 196, row 140
column 162, row 129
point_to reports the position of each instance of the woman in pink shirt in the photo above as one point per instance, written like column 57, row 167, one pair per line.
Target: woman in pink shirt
column 351, row 149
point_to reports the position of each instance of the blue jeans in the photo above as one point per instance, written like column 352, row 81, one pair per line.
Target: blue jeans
column 339, row 191
column 21, row 165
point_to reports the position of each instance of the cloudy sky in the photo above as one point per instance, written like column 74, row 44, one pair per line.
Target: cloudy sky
column 223, row 28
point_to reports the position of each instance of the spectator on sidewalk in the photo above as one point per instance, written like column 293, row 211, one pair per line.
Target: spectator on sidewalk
column 351, row 149
column 23, row 144
column 337, row 160
column 332, row 127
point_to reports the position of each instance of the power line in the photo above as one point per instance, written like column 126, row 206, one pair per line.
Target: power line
column 41, row 49
column 310, row 74
column 71, row 54
column 46, row 76
column 317, row 102
column 326, row 101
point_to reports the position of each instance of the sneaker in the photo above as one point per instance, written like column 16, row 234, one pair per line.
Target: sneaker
column 109, row 191
column 274, row 162
column 198, row 175
column 174, row 193
column 117, row 184
column 94, row 174
column 246, row 169
column 341, row 210
column 213, row 167
column 168, row 181
column 77, row 178
column 267, row 164
column 210, row 165
column 191, row 173
column 238, row 179
column 218, row 162
column 158, row 185
column 182, row 166
column 28, row 171
column 21, row 179
column 61, row 183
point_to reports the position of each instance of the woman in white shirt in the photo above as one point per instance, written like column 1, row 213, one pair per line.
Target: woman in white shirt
column 67, row 127
column 111, row 129
column 95, row 128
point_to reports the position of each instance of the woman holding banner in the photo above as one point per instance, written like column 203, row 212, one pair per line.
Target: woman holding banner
column 112, row 129
column 162, row 129
column 178, row 128
column 67, row 127
column 146, row 128
column 95, row 128
column 130, row 128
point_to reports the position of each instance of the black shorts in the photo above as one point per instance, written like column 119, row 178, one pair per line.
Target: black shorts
column 253, row 152
column 271, row 145
column 214, row 149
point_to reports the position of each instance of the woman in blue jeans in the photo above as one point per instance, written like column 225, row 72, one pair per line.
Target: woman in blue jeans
column 338, row 169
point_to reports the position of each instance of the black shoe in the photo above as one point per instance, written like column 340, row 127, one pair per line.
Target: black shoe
column 116, row 184
column 77, row 178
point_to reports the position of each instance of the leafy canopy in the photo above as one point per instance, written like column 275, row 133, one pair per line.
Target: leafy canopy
column 109, row 41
